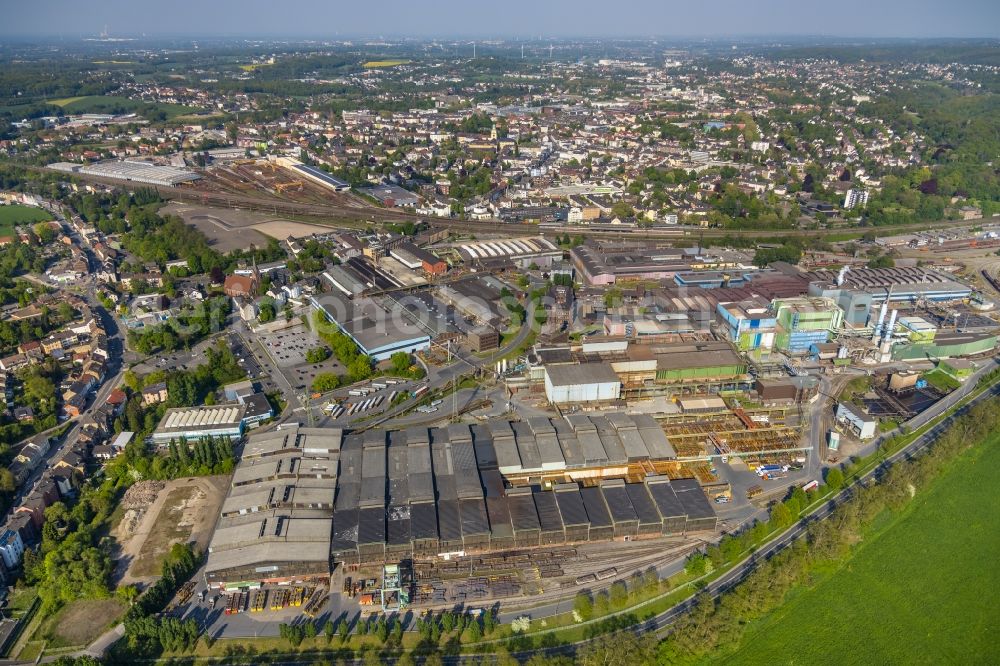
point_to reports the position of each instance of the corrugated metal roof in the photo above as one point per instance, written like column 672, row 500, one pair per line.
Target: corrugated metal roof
column 597, row 509
column 642, row 503
column 449, row 520
column 523, row 514
column 548, row 511
column 618, row 502
column 692, row 497
column 371, row 526
column 474, row 520
column 345, row 530
column 666, row 501
column 499, row 516
column 527, row 449
column 423, row 520
column 571, row 506
column 398, row 532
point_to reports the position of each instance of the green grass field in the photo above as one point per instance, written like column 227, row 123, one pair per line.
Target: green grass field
column 941, row 380
column 17, row 214
column 922, row 590
column 112, row 104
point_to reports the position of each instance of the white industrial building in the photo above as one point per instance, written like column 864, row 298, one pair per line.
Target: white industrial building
column 580, row 383
column 522, row 251
column 133, row 171
column 864, row 426
column 194, row 423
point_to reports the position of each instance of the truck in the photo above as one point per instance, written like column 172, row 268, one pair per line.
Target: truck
column 811, row 485
column 416, row 393
column 834, row 442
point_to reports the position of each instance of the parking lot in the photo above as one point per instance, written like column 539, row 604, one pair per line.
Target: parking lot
column 288, row 347
column 376, row 401
column 244, row 357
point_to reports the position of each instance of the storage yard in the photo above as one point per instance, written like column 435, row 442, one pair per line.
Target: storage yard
column 288, row 182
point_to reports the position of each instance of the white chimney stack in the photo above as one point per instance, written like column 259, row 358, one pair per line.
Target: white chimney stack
column 881, row 320
column 891, row 326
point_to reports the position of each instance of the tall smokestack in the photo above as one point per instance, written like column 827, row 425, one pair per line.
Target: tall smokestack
column 881, row 319
column 892, row 324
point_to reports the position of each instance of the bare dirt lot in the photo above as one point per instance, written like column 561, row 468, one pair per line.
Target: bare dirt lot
column 282, row 229
column 80, row 622
column 225, row 229
column 184, row 510
column 231, row 229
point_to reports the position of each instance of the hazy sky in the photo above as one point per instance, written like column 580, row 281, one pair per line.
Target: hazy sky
column 518, row 18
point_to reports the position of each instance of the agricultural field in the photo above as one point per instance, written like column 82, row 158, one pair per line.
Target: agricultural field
column 112, row 104
column 65, row 100
column 373, row 64
column 11, row 216
column 915, row 592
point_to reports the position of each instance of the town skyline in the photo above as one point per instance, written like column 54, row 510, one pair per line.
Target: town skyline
column 559, row 19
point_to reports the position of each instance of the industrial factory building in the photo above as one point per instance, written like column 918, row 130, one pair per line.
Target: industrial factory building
column 582, row 383
column 605, row 265
column 275, row 522
column 751, row 325
column 378, row 331
column 946, row 345
column 303, row 499
column 806, row 321
column 195, row 423
column 132, row 171
column 314, row 174
column 522, row 252
column 420, row 493
column 606, row 371
column 898, row 285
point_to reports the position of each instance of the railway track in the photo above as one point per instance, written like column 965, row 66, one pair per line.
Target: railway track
column 990, row 280
column 330, row 214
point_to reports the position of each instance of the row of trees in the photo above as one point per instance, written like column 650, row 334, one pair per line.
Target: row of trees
column 587, row 605
column 148, row 635
column 207, row 456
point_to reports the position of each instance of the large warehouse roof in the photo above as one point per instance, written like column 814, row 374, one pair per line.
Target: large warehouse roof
column 383, row 493
column 136, row 171
column 275, row 520
column 507, row 248
column 196, row 422
column 377, row 330
column 582, row 373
